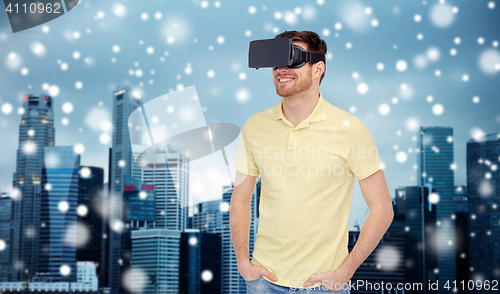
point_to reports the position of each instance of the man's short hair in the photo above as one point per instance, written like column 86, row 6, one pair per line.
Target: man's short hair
column 314, row 43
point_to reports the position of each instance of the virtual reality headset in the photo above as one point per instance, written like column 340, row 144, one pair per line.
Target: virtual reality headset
column 280, row 52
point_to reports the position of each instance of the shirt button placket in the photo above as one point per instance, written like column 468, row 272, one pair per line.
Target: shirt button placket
column 292, row 138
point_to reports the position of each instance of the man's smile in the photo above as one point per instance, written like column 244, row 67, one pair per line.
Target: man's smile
column 285, row 79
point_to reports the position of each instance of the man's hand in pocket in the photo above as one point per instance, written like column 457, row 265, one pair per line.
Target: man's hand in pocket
column 252, row 272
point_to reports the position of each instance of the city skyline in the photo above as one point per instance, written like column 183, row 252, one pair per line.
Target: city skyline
column 355, row 214
column 58, row 180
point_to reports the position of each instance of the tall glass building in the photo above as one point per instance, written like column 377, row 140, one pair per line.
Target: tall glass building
column 483, row 184
column 462, row 233
column 5, row 213
column 155, row 261
column 415, row 208
column 35, row 132
column 207, row 216
column 200, row 262
column 125, row 101
column 384, row 265
column 435, row 168
column 58, row 218
column 232, row 281
column 139, row 206
column 165, row 168
column 90, row 219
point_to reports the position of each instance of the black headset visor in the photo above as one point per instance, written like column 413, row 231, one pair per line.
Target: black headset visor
column 280, row 52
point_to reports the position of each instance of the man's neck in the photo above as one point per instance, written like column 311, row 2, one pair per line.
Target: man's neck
column 298, row 107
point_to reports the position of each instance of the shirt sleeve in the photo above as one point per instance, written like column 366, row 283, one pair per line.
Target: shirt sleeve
column 245, row 162
column 363, row 157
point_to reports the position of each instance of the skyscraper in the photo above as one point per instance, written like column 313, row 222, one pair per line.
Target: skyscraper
column 207, row 216
column 462, row 233
column 164, row 169
column 483, row 184
column 418, row 213
column 232, row 281
column 139, row 206
column 35, row 132
column 58, row 220
column 125, row 101
column 155, row 261
column 90, row 216
column 104, row 268
column 435, row 167
column 5, row 212
column 385, row 264
column 189, row 261
column 200, row 262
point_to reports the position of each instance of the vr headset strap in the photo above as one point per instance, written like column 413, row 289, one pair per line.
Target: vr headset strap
column 310, row 57
column 315, row 57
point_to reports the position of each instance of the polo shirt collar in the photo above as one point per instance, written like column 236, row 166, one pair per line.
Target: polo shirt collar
column 318, row 114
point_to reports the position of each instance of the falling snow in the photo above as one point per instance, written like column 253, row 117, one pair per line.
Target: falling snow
column 127, row 58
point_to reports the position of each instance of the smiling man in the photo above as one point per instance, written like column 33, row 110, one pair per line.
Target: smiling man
column 307, row 152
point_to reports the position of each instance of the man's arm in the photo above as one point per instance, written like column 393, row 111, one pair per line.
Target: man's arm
column 378, row 198
column 240, row 215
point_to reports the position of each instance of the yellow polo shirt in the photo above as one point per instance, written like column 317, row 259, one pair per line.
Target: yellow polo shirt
column 307, row 179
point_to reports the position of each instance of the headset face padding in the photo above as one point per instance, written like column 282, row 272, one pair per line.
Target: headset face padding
column 297, row 63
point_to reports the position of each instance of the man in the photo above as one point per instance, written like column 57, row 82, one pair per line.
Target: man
column 307, row 152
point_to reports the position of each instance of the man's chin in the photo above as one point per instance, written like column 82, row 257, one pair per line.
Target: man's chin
column 285, row 93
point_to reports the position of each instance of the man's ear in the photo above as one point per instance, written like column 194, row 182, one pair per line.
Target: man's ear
column 319, row 68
